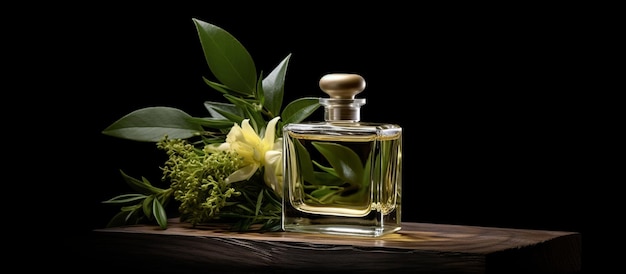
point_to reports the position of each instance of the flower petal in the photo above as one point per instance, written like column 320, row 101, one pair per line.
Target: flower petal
column 273, row 174
column 270, row 130
column 218, row 147
column 242, row 174
column 249, row 134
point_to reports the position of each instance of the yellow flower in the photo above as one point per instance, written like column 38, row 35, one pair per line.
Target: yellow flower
column 273, row 175
column 251, row 147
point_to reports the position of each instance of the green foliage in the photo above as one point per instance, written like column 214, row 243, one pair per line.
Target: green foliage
column 343, row 182
column 196, row 177
column 345, row 162
column 147, row 206
column 299, row 109
column 228, row 60
column 235, row 70
column 152, row 123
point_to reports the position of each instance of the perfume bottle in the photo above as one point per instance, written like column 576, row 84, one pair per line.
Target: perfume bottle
column 342, row 176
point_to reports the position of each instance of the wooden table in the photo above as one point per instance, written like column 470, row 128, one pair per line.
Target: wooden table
column 417, row 248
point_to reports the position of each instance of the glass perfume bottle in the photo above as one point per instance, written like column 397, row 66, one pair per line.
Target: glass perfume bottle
column 341, row 175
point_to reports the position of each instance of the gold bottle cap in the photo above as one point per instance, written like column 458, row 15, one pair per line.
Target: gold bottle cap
column 342, row 106
column 342, row 85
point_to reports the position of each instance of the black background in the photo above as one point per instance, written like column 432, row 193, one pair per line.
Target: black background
column 494, row 100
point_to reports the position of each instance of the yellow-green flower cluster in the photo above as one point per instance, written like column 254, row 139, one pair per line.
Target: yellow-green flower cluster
column 198, row 178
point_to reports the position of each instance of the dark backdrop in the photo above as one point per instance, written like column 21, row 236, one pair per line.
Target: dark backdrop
column 489, row 97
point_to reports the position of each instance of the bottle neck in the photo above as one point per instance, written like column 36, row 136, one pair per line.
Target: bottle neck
column 342, row 110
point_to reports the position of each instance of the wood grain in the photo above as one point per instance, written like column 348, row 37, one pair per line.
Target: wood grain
column 417, row 248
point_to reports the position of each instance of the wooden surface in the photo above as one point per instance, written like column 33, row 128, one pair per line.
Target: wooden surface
column 417, row 248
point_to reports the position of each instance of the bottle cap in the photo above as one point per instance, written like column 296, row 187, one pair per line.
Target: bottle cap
column 342, row 85
column 342, row 88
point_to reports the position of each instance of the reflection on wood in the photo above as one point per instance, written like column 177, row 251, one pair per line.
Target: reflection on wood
column 418, row 247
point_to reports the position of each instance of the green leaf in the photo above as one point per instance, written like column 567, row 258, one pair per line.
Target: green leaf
column 328, row 178
column 142, row 186
column 305, row 167
column 213, row 123
column 246, row 108
column 324, row 193
column 259, row 95
column 147, row 205
column 159, row 213
column 228, row 59
column 273, row 87
column 299, row 109
column 240, row 103
column 217, row 108
column 346, row 162
column 304, row 163
column 272, row 199
column 151, row 124
column 222, row 88
column 131, row 213
column 245, row 208
column 326, row 169
column 259, row 202
column 125, row 199
column 131, row 208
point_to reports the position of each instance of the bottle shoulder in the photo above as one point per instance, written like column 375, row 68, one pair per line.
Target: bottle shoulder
column 344, row 128
column 365, row 125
